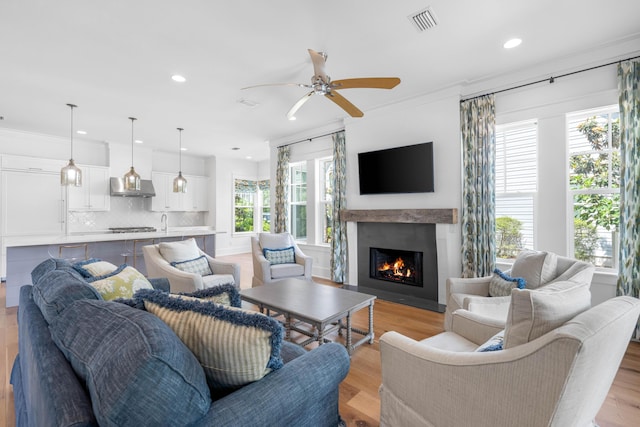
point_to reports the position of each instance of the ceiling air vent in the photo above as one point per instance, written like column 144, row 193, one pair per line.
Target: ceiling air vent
column 424, row 19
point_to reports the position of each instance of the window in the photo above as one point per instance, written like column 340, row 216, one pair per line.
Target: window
column 298, row 200
column 325, row 204
column 251, row 206
column 594, row 184
column 516, row 186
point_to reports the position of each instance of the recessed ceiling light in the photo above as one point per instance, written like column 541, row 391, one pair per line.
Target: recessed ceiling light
column 81, row 132
column 292, row 118
column 183, row 149
column 510, row 44
column 249, row 157
column 139, row 141
column 178, row 78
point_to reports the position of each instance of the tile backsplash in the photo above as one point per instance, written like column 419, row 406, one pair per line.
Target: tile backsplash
column 131, row 212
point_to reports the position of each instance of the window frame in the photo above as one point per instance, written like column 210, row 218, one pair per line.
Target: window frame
column 257, row 207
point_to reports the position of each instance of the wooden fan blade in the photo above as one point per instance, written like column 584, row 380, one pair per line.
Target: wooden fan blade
column 343, row 103
column 298, row 104
column 366, row 82
column 277, row 84
column 318, row 60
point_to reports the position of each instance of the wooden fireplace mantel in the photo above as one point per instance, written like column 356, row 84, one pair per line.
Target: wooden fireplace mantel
column 414, row 216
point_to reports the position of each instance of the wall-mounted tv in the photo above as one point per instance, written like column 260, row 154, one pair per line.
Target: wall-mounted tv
column 407, row 169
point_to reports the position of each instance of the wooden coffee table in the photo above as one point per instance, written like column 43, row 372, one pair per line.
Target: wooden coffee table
column 321, row 306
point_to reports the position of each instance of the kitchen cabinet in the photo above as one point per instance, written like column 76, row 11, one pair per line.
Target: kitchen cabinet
column 32, row 203
column 93, row 195
column 194, row 200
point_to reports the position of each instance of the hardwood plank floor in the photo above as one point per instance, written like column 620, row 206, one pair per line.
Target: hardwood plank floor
column 359, row 400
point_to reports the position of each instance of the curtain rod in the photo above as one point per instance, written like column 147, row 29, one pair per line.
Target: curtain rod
column 309, row 139
column 551, row 79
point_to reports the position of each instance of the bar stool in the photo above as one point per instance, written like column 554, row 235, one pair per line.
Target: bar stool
column 63, row 248
column 134, row 253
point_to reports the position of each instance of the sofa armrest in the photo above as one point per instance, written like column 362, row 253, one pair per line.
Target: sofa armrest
column 476, row 286
column 160, row 283
column 474, row 327
column 302, row 392
column 222, row 267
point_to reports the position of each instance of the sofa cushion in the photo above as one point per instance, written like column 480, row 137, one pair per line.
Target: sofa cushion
column 536, row 267
column 533, row 313
column 279, row 271
column 94, row 267
column 179, row 251
column 58, row 289
column 121, row 283
column 280, row 256
column 275, row 240
column 136, row 370
column 234, row 346
column 199, row 265
column 48, row 265
column 501, row 284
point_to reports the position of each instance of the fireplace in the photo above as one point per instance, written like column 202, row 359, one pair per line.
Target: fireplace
column 383, row 247
column 396, row 266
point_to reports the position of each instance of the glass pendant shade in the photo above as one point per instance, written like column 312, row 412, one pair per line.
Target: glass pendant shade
column 71, row 174
column 131, row 178
column 179, row 182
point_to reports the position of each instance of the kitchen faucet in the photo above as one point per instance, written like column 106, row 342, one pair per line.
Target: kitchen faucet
column 165, row 222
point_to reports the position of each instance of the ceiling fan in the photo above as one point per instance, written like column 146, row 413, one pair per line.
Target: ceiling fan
column 321, row 84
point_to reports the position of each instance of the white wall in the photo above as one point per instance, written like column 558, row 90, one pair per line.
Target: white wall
column 225, row 172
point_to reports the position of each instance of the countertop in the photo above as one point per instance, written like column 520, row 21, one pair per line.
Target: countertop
column 104, row 236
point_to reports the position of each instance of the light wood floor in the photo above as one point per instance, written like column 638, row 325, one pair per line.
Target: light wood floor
column 359, row 401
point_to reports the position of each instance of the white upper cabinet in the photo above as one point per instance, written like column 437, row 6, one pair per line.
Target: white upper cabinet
column 93, row 195
column 194, row 200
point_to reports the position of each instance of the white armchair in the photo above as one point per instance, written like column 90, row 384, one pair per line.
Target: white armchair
column 158, row 258
column 265, row 271
column 560, row 378
column 473, row 294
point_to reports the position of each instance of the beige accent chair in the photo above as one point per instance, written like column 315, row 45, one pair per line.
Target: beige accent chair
column 538, row 268
column 264, row 272
column 550, row 376
column 181, row 281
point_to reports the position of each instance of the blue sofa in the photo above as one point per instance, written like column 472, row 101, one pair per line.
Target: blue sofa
column 48, row 389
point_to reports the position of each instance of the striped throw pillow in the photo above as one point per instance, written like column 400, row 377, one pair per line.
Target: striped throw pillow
column 234, row 346
column 280, row 256
column 198, row 265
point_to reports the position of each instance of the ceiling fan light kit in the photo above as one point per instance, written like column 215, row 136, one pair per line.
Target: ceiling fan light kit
column 321, row 84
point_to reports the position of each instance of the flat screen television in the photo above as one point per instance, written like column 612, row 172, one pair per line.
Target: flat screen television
column 407, row 169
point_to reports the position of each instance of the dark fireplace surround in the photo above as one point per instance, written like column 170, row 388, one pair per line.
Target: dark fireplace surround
column 394, row 246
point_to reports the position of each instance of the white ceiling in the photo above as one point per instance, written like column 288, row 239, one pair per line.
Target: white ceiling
column 114, row 59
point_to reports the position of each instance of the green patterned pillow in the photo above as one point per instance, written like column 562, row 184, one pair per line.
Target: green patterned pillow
column 122, row 283
column 280, row 256
column 234, row 346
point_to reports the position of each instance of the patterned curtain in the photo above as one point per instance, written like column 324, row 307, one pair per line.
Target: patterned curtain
column 629, row 93
column 281, row 219
column 477, row 129
column 339, row 202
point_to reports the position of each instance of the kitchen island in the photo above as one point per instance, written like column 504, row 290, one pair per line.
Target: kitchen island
column 23, row 253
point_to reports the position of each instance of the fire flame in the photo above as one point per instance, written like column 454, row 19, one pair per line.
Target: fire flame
column 397, row 267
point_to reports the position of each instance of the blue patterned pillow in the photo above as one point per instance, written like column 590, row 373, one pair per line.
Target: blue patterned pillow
column 280, row 256
column 494, row 343
column 501, row 284
column 198, row 265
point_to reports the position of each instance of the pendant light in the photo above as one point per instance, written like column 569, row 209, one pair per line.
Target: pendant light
column 131, row 178
column 180, row 183
column 71, row 174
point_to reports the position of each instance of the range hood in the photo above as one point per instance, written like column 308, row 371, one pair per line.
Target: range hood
column 117, row 188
